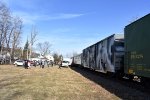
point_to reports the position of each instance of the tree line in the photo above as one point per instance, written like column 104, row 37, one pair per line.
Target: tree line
column 10, row 38
column 10, row 31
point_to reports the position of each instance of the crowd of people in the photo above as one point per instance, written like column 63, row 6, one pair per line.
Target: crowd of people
column 42, row 64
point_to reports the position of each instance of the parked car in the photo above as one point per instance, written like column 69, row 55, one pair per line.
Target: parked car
column 19, row 63
column 31, row 63
column 65, row 63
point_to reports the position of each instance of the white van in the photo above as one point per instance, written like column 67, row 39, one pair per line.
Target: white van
column 67, row 60
column 65, row 63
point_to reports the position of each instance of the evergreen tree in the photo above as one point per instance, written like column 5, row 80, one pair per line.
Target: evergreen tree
column 26, row 47
column 26, row 50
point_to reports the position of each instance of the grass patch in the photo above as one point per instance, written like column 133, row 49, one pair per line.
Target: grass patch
column 17, row 83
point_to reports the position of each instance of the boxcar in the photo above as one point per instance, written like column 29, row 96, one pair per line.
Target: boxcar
column 106, row 55
column 137, row 47
column 76, row 60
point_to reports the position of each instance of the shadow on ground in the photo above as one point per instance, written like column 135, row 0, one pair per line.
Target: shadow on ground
column 112, row 85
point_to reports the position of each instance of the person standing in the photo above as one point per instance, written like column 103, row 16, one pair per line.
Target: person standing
column 59, row 64
column 48, row 62
column 43, row 63
column 29, row 64
column 40, row 63
column 52, row 63
column 35, row 63
column 26, row 64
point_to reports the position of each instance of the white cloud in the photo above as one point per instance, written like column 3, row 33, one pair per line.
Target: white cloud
column 33, row 18
column 65, row 16
column 26, row 17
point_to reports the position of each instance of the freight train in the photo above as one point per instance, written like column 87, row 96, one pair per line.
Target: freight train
column 124, row 55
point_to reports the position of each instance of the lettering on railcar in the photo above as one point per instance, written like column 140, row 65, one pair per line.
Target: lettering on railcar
column 134, row 55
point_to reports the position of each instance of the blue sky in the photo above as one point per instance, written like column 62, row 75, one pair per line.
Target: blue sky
column 72, row 25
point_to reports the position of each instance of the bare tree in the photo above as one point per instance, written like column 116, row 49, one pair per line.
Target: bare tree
column 44, row 48
column 10, row 31
column 33, row 39
column 17, row 30
column 5, row 24
column 57, row 57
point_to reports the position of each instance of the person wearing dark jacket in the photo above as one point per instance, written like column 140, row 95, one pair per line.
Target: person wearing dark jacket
column 43, row 63
column 26, row 64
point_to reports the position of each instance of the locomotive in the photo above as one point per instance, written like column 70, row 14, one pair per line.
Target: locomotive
column 124, row 55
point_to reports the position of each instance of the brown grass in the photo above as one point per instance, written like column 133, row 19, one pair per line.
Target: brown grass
column 17, row 83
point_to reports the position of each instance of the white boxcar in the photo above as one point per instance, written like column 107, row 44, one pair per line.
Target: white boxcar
column 76, row 60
